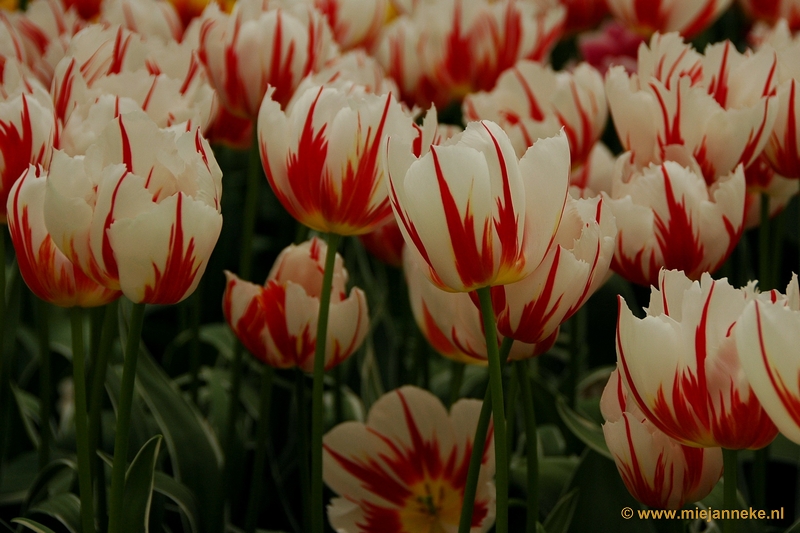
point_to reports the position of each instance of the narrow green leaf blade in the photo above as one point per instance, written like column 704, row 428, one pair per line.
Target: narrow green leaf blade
column 64, row 507
column 139, row 487
column 588, row 431
column 32, row 525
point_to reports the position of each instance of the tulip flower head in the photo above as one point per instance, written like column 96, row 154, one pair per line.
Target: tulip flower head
column 658, row 471
column 405, row 470
column 277, row 322
column 531, row 101
column 140, row 211
column 767, row 336
column 688, row 17
column 474, row 214
column 355, row 23
column 451, row 322
column 720, row 106
column 669, row 217
column 773, row 11
column 45, row 269
column 262, row 43
column 681, row 367
column 322, row 156
column 531, row 310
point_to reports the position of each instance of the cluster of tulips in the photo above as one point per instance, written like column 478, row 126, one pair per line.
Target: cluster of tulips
column 440, row 135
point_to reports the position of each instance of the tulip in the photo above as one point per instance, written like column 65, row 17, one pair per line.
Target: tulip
column 27, row 126
column 688, row 17
column 531, row 310
column 773, row 11
column 681, row 367
column 262, row 44
column 761, row 179
column 767, row 336
column 611, row 44
column 405, row 469
column 472, row 212
column 140, row 212
column 352, row 71
column 668, row 217
column 277, row 323
column 45, row 269
column 385, row 243
column 189, row 10
column 354, row 22
column 595, row 175
column 451, row 323
column 150, row 18
column 719, row 106
column 657, row 470
column 531, row 101
column 87, row 9
column 583, row 14
column 444, row 50
column 322, row 156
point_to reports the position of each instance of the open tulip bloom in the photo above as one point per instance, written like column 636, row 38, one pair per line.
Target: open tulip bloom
column 767, row 337
column 404, row 471
column 681, row 367
column 688, row 17
column 140, row 212
column 657, row 470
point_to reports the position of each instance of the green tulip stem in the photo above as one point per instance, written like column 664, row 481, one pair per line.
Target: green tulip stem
column 729, row 466
column 475, row 460
column 317, row 518
column 254, row 502
column 498, row 409
column 81, row 421
column 531, row 445
column 120, row 463
column 45, row 380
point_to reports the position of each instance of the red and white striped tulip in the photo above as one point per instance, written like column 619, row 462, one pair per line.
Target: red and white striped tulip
column 532, row 309
column 720, row 106
column 761, row 178
column 406, row 468
column 277, row 322
column 767, row 336
column 531, row 101
column 149, row 18
column 688, row 17
column 444, row 50
column 354, row 70
column 658, row 471
column 667, row 216
column 783, row 148
column 474, row 214
column 262, row 43
column 355, row 23
column 772, row 11
column 451, row 323
column 27, row 126
column 681, row 367
column 45, row 269
column 322, row 156
column 141, row 211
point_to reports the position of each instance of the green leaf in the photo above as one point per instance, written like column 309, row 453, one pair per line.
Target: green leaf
column 28, row 406
column 18, row 476
column 588, row 431
column 64, row 507
column 139, row 488
column 195, row 454
column 602, row 496
column 179, row 494
column 32, row 525
column 220, row 337
column 51, row 472
column 560, row 517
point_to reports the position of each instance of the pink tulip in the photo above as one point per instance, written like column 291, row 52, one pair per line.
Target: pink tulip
column 681, row 367
column 406, row 468
column 141, row 211
column 658, row 471
column 277, row 323
column 45, row 269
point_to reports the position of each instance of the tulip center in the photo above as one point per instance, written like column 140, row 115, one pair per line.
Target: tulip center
column 433, row 503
